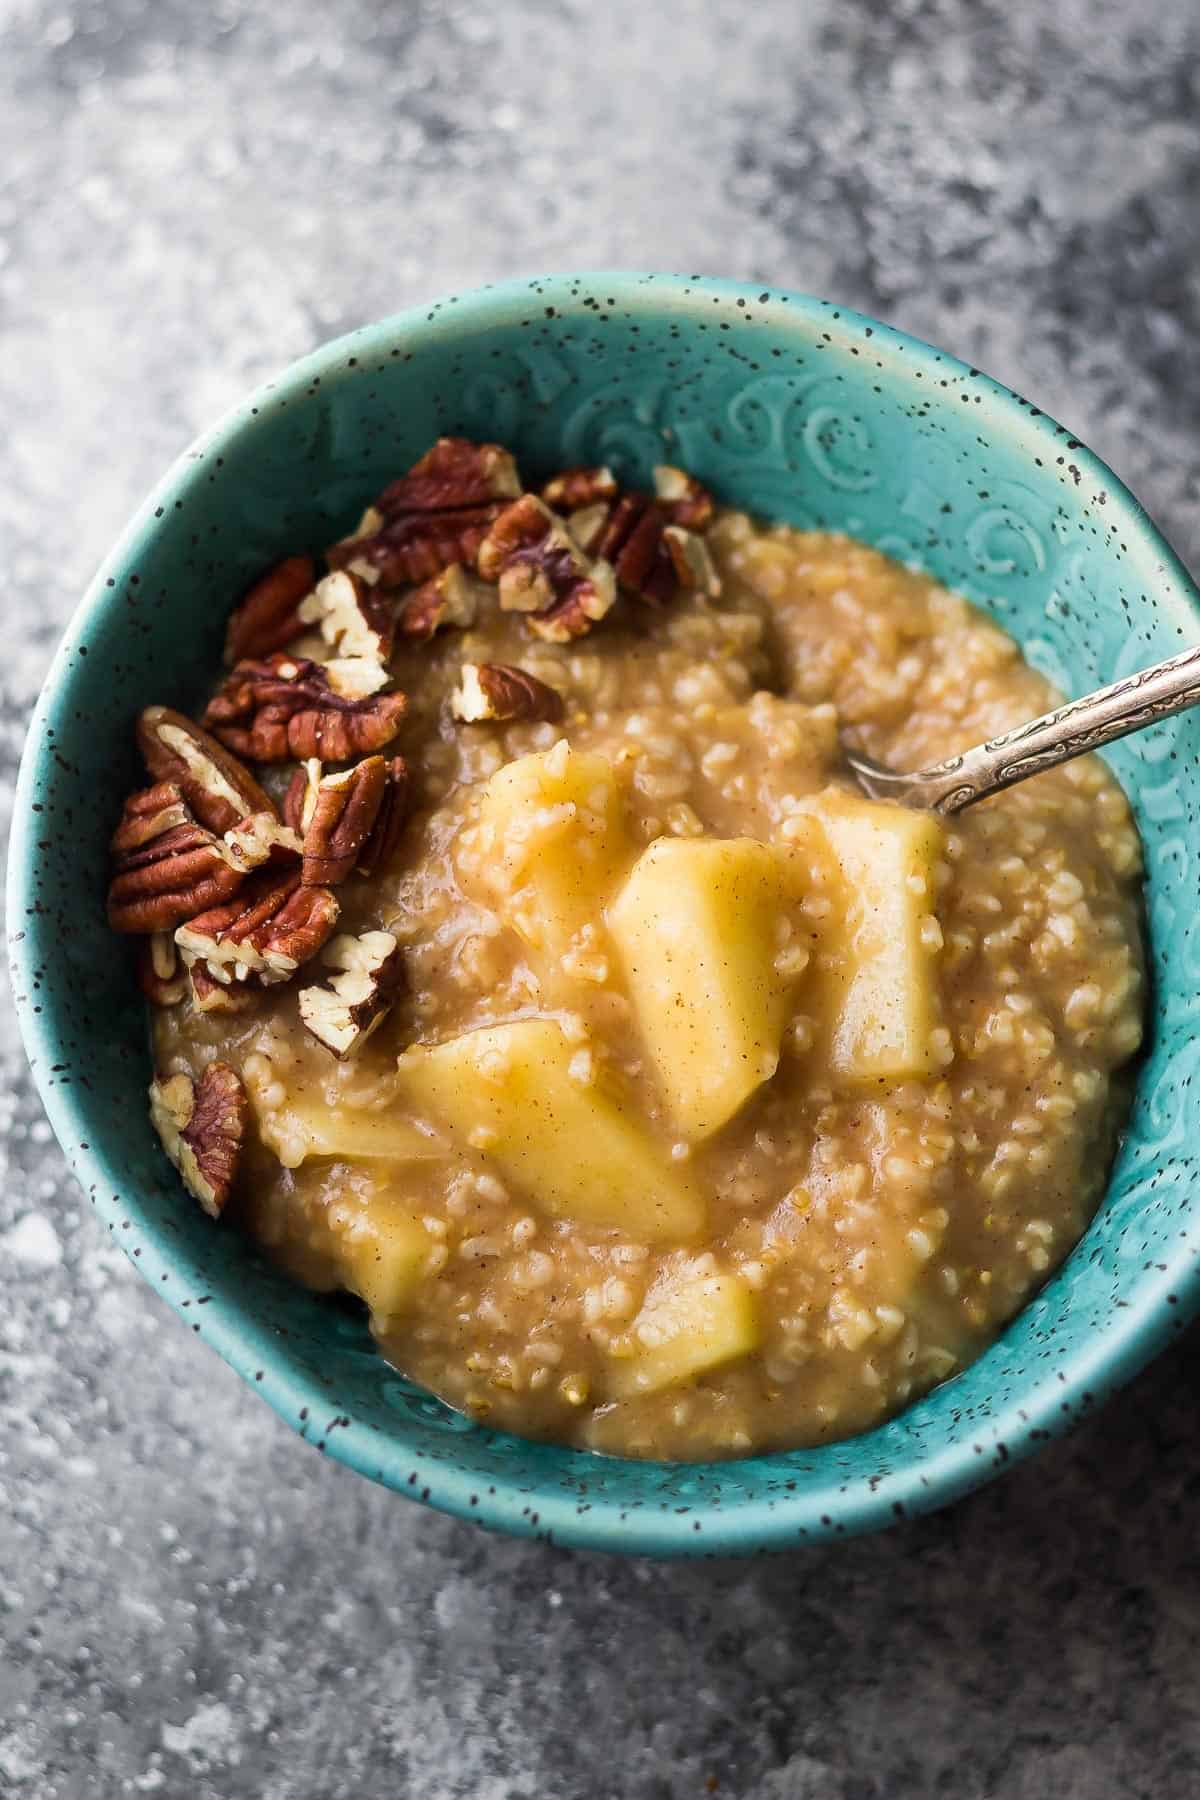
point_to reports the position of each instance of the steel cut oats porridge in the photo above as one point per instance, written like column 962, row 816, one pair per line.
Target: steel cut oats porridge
column 523, row 961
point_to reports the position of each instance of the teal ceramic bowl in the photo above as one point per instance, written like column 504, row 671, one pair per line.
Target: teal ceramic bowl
column 802, row 412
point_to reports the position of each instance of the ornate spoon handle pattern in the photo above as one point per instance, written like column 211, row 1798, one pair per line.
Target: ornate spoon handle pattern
column 1071, row 730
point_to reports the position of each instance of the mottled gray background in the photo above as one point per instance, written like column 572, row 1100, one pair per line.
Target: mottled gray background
column 192, row 1602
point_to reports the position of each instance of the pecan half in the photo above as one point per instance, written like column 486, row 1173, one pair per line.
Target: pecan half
column 167, row 868
column 160, row 972
column 451, row 598
column 147, row 815
column 285, row 706
column 202, row 1126
column 211, row 995
column 218, row 788
column 390, row 820
column 413, row 546
column 380, row 843
column 454, row 473
column 499, row 692
column 682, row 499
column 266, row 618
column 542, row 572
column 632, row 541
column 654, row 559
column 573, row 489
column 343, row 1015
column 271, row 927
column 346, row 806
column 354, row 621
column 262, row 839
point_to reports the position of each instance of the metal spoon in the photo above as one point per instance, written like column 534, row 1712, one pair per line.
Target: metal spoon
column 1070, row 730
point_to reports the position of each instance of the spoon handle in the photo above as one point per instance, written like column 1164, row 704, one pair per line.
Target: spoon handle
column 1070, row 730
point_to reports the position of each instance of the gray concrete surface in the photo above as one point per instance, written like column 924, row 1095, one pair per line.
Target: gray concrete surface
column 191, row 194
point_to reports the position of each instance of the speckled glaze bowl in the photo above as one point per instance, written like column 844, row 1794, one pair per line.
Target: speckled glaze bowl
column 802, row 412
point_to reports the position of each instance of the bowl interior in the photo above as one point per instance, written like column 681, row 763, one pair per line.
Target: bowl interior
column 798, row 411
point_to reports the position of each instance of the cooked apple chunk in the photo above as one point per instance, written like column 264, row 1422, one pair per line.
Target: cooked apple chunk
column 555, row 841
column 307, row 1125
column 384, row 1258
column 556, row 1129
column 687, row 1326
column 880, row 989
column 701, row 928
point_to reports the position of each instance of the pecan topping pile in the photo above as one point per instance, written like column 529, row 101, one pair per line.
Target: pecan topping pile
column 229, row 894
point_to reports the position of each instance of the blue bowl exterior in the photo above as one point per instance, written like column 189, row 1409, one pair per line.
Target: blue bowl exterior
column 800, row 411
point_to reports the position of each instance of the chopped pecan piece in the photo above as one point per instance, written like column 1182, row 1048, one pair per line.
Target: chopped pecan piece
column 272, row 926
column 572, row 489
column 354, row 621
column 345, row 808
column 367, row 526
column 160, row 973
column 301, row 795
column 499, row 692
column 211, row 994
column 682, row 499
column 454, row 473
column 286, row 707
column 413, row 546
column 542, row 572
column 267, row 616
column 218, row 788
column 167, row 868
column 451, row 598
column 344, row 1014
column 262, row 839
column 202, row 1126
column 355, row 677
column 694, row 567
column 390, row 820
column 587, row 525
column 342, row 555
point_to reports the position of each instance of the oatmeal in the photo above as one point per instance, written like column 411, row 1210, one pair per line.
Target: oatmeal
column 522, row 959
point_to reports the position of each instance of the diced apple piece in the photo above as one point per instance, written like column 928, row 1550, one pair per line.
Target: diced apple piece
column 882, row 986
column 697, row 927
column 383, row 1257
column 685, row 1328
column 553, row 840
column 576, row 1149
column 306, row 1127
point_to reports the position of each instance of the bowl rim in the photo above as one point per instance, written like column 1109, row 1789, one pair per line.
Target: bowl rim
column 844, row 1503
